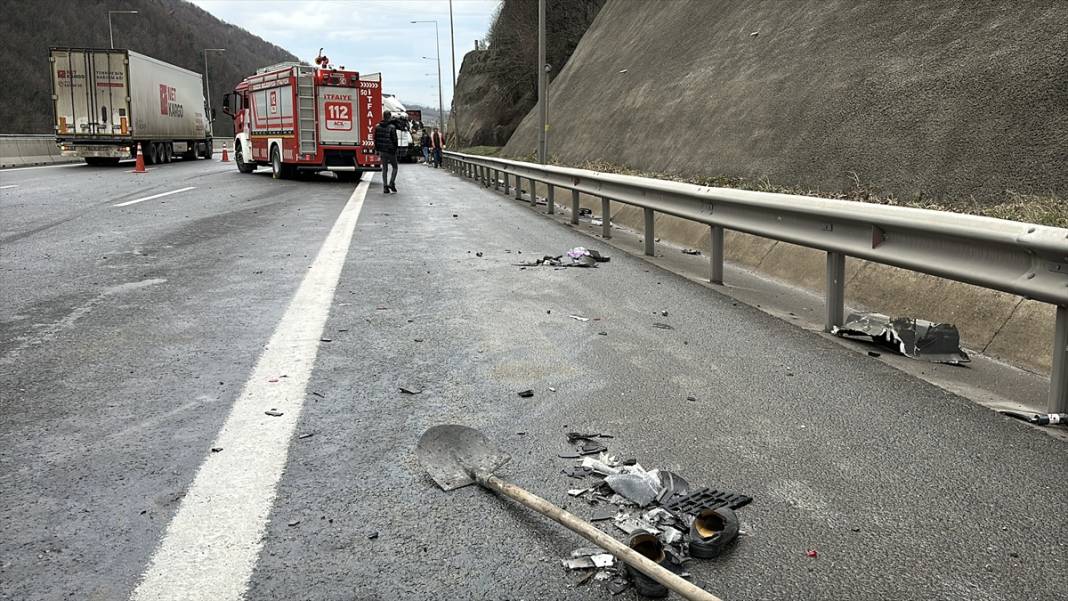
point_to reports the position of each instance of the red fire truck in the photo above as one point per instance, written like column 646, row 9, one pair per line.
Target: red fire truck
column 296, row 117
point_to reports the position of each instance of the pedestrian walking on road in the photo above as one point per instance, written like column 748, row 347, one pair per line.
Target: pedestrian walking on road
column 437, row 144
column 386, row 147
column 424, row 142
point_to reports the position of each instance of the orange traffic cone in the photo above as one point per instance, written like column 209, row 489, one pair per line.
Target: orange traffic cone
column 139, row 167
column 225, row 157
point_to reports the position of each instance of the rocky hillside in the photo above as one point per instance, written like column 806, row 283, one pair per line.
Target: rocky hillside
column 916, row 99
column 171, row 30
column 497, row 86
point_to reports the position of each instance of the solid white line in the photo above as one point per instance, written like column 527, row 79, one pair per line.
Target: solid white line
column 9, row 186
column 212, row 544
column 161, row 195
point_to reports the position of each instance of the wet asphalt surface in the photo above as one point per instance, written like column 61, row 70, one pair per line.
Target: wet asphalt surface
column 126, row 333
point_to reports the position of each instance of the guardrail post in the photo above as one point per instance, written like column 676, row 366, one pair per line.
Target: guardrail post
column 574, row 207
column 715, row 274
column 533, row 196
column 506, row 188
column 518, row 187
column 496, row 180
column 1058, row 378
column 549, row 198
column 650, row 242
column 606, row 218
column 835, row 296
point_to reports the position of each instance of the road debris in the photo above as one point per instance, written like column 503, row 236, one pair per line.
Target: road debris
column 1039, row 419
column 663, row 326
column 914, row 338
column 812, row 553
column 306, row 436
column 318, row 394
column 526, row 394
column 372, row 536
column 655, row 507
column 216, row 449
column 691, row 251
column 579, row 318
column 273, row 413
column 410, row 390
column 576, row 257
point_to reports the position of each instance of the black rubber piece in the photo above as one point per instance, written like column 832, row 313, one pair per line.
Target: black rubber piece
column 650, row 546
column 712, row 531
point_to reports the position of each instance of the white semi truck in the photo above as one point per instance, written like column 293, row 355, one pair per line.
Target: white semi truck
column 106, row 102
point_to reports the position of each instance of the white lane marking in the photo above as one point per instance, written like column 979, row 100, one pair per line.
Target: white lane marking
column 9, row 186
column 211, row 546
column 154, row 196
column 7, row 169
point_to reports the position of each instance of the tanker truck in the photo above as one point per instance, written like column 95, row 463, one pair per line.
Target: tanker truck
column 106, row 102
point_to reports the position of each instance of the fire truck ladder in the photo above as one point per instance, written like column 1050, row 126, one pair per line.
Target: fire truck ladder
column 306, row 109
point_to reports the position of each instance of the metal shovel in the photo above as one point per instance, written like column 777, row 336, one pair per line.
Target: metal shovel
column 456, row 456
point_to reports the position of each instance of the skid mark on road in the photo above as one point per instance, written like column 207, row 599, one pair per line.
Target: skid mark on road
column 211, row 546
column 50, row 331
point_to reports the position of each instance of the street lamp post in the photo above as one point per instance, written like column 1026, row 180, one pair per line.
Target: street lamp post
column 452, row 48
column 111, row 32
column 441, row 104
column 543, row 145
column 207, row 84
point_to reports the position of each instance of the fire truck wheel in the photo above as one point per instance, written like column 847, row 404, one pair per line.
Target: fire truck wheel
column 239, row 158
column 276, row 163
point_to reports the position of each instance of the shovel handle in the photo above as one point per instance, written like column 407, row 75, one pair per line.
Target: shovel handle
column 622, row 552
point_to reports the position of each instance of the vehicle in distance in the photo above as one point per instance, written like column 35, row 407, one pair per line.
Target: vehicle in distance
column 299, row 118
column 106, row 102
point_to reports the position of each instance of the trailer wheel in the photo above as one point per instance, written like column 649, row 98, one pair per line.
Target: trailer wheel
column 168, row 152
column 239, row 158
column 207, row 150
column 148, row 150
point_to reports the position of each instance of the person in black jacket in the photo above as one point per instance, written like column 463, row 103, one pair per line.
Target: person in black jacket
column 386, row 147
column 424, row 141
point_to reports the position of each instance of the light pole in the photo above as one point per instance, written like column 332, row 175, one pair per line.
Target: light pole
column 111, row 33
column 441, row 105
column 543, row 147
column 207, row 84
column 441, row 115
column 452, row 47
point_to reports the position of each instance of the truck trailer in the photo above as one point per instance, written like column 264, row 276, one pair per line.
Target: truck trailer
column 299, row 119
column 107, row 102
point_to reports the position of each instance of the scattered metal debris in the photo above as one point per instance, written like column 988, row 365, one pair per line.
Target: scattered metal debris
column 216, row 449
column 914, row 338
column 411, row 390
column 273, row 413
column 526, row 394
column 1039, row 419
column 372, row 536
column 691, row 251
column 579, row 318
column 306, row 436
column 663, row 326
column 637, row 502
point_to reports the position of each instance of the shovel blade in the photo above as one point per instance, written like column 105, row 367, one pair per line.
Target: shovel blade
column 453, row 454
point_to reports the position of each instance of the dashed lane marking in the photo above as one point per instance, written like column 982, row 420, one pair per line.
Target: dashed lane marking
column 153, row 197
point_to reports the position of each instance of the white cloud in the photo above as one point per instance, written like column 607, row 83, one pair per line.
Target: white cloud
column 368, row 35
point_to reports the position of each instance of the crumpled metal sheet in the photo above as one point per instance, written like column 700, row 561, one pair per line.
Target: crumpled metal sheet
column 914, row 338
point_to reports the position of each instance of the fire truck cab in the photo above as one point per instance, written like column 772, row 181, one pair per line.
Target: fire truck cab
column 298, row 118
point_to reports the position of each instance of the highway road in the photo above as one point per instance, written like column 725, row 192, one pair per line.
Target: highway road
column 146, row 320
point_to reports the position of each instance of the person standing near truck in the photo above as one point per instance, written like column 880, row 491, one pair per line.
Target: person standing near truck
column 386, row 147
column 437, row 144
column 424, row 142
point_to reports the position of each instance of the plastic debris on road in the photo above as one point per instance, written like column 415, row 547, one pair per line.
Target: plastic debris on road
column 625, row 498
column 914, row 338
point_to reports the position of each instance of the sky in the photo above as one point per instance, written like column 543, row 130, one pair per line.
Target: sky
column 369, row 36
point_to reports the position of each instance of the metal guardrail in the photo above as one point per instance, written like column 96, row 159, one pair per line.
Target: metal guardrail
column 1020, row 258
